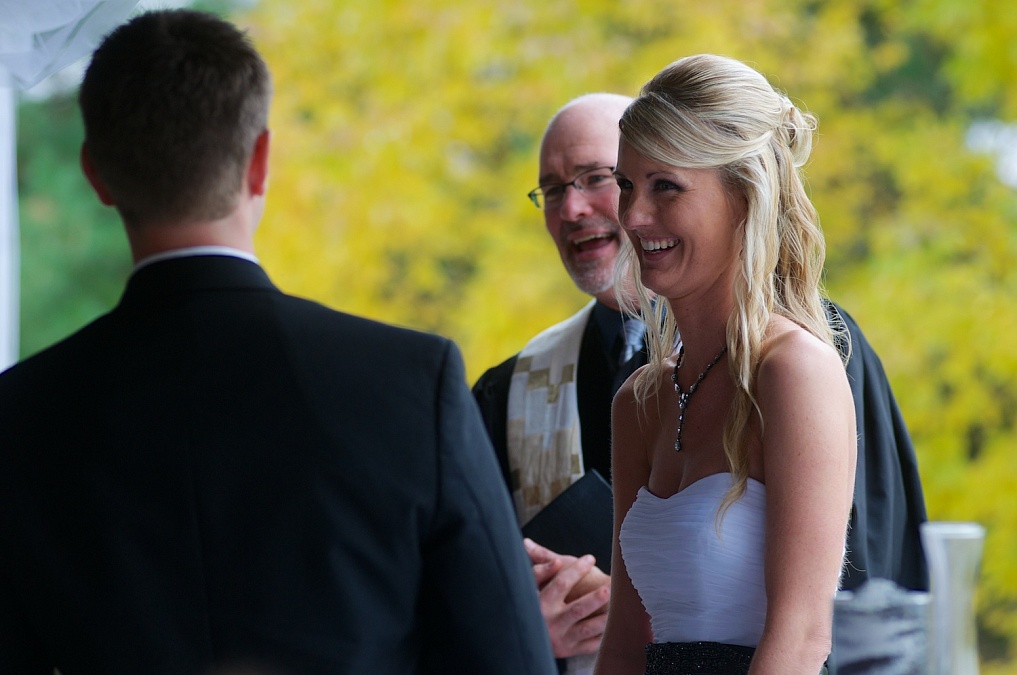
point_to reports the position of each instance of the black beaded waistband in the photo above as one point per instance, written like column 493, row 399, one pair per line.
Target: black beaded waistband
column 697, row 658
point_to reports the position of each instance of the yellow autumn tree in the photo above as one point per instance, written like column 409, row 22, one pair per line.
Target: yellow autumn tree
column 405, row 138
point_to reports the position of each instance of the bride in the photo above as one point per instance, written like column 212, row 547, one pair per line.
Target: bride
column 733, row 453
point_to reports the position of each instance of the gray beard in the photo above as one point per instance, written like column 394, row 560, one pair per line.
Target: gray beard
column 592, row 281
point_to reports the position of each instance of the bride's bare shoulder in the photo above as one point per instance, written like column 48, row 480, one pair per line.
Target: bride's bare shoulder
column 789, row 352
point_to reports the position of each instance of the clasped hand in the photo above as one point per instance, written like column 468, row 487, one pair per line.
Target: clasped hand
column 573, row 599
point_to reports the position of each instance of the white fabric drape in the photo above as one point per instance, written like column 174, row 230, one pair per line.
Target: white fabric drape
column 8, row 233
column 37, row 38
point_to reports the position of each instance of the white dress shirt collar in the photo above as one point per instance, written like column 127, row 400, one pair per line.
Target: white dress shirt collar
column 195, row 251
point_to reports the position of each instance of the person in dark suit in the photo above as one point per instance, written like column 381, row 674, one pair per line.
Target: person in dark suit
column 219, row 477
column 581, row 216
column 580, row 363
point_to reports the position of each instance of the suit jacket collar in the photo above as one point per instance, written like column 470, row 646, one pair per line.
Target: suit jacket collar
column 170, row 278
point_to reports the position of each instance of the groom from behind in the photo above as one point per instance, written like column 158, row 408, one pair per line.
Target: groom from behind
column 215, row 475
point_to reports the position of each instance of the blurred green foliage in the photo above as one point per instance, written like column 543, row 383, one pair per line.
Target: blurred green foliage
column 405, row 138
column 74, row 256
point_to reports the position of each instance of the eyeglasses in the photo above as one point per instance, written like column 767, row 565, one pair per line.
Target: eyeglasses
column 591, row 180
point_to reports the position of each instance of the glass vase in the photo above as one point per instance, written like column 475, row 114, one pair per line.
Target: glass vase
column 953, row 552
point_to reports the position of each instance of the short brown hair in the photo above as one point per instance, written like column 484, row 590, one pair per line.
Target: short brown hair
column 172, row 104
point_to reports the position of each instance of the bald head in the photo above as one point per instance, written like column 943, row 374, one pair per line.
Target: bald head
column 582, row 140
column 589, row 118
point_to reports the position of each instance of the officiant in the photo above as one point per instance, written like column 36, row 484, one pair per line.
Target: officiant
column 550, row 405
column 555, row 396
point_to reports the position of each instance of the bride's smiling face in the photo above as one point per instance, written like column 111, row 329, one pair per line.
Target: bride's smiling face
column 685, row 225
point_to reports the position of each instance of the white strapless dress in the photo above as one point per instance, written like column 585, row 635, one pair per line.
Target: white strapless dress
column 696, row 582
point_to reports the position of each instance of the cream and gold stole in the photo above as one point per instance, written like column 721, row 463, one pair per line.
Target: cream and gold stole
column 543, row 437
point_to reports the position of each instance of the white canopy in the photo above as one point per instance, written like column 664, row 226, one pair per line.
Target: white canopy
column 37, row 38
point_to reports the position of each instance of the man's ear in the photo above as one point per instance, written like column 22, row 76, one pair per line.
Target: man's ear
column 257, row 170
column 93, row 177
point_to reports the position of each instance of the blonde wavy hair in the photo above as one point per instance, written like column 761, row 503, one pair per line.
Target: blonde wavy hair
column 713, row 112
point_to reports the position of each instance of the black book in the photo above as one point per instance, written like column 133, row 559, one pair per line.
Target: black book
column 578, row 521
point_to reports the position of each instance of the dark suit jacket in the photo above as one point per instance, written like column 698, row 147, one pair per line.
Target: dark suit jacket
column 216, row 473
column 889, row 506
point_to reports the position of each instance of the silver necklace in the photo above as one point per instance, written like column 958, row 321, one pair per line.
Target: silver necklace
column 685, row 396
